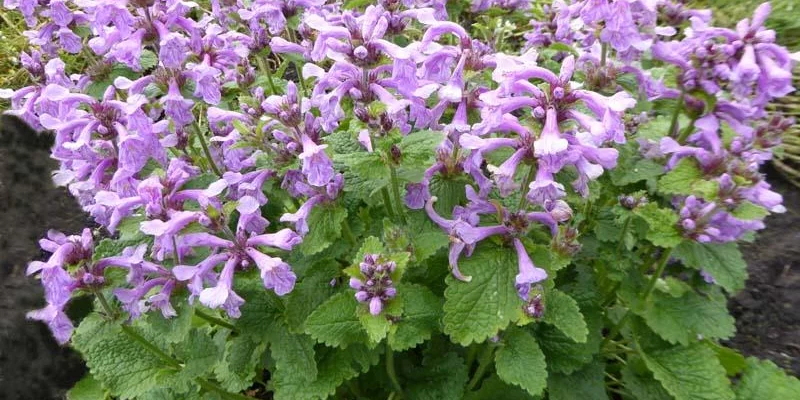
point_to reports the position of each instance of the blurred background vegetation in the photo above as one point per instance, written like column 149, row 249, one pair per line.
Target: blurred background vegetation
column 785, row 20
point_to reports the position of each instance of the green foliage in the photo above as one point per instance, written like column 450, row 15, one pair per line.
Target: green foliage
column 587, row 383
column 764, row 380
column 687, row 179
column 477, row 310
column 422, row 310
column 87, row 388
column 336, row 322
column 681, row 319
column 723, row 261
column 325, row 227
column 689, row 373
column 520, row 361
column 564, row 314
column 124, row 367
column 662, row 222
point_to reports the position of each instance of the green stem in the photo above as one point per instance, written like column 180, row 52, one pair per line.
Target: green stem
column 300, row 79
column 206, row 150
column 662, row 264
column 173, row 363
column 472, row 353
column 398, row 202
column 603, row 54
column 528, row 179
column 348, row 233
column 387, row 202
column 104, row 303
column 622, row 237
column 214, row 320
column 686, row 131
column 150, row 347
column 675, row 114
column 483, row 365
column 391, row 371
column 264, row 67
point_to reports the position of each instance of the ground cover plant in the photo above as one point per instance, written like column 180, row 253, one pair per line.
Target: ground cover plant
column 415, row 199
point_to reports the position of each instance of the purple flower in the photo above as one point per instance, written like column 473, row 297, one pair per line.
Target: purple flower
column 375, row 287
column 528, row 273
column 317, row 167
column 58, row 322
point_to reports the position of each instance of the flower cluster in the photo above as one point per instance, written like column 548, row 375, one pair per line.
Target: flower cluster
column 376, row 287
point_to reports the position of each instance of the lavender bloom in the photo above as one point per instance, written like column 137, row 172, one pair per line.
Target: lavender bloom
column 376, row 287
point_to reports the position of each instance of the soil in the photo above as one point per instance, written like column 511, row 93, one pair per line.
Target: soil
column 768, row 310
column 33, row 366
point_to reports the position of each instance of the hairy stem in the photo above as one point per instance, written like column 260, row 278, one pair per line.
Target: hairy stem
column 662, row 264
column 677, row 112
column 207, row 152
column 166, row 358
column 214, row 320
column 483, row 364
column 348, row 233
column 398, row 202
column 391, row 371
column 387, row 202
column 603, row 54
column 263, row 65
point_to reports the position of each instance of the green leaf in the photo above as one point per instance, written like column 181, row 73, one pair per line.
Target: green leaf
column 242, row 358
column 749, row 211
column 418, row 150
column 335, row 366
column 123, row 366
column 261, row 307
column 520, row 362
column 167, row 331
column 450, row 192
column 87, row 388
column 201, row 181
column 662, row 222
column 681, row 319
column 336, row 322
column 562, row 353
column 422, row 310
column 655, row 129
column 733, row 361
column 376, row 326
column 493, row 385
column 475, row 311
column 764, row 380
column 723, row 261
column 442, row 376
column 148, row 59
column 640, row 382
column 293, row 354
column 325, row 227
column 563, row 313
column 199, row 354
column 687, row 179
column 98, row 87
column 587, row 383
column 420, row 236
column 365, row 174
column 309, row 293
column 641, row 170
column 690, row 373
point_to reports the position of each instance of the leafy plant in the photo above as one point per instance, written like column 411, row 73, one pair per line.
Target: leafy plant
column 405, row 200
